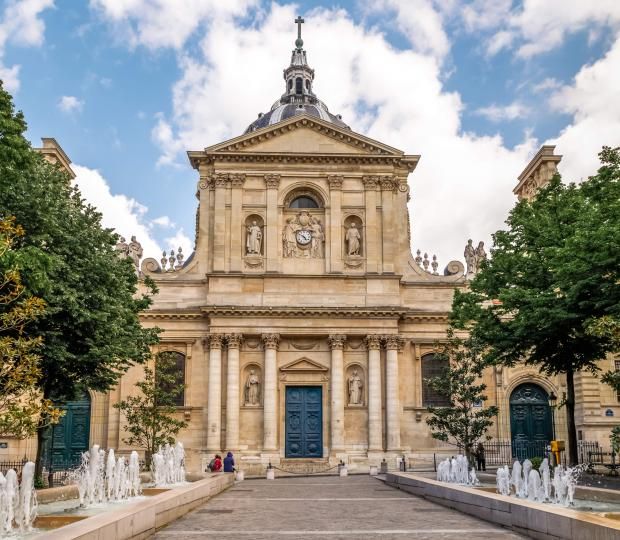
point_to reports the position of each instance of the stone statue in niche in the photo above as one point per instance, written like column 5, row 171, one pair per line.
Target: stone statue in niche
column 252, row 389
column 253, row 239
column 470, row 257
column 303, row 237
column 135, row 252
column 354, row 240
column 356, row 387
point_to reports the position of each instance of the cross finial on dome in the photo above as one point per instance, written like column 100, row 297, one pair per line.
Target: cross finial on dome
column 299, row 43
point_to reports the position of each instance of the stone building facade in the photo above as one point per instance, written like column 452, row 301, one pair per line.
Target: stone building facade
column 303, row 325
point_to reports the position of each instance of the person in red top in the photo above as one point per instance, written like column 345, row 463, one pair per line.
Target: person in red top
column 216, row 464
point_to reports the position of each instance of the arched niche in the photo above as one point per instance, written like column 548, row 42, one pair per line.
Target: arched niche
column 252, row 386
column 355, row 385
column 350, row 250
column 253, row 236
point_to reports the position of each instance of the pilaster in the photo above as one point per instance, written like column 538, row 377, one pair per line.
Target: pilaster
column 219, row 223
column 236, row 218
column 233, row 342
column 272, row 182
column 375, row 428
column 336, row 344
column 335, row 228
column 393, row 344
column 214, row 395
column 270, row 396
column 371, row 225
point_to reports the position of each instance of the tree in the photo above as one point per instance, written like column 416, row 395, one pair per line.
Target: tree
column 552, row 278
column 90, row 330
column 21, row 406
column 465, row 421
column 149, row 415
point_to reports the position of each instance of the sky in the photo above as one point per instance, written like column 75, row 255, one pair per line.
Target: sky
column 127, row 87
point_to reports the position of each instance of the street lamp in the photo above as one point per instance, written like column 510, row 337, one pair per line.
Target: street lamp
column 552, row 402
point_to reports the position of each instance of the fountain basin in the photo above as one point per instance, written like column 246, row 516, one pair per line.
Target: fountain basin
column 142, row 518
column 542, row 521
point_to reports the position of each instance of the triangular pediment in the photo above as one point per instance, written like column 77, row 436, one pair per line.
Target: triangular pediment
column 303, row 364
column 304, row 134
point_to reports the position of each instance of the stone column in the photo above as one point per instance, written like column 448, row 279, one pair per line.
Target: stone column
column 336, row 344
column 375, row 428
column 371, row 226
column 272, row 237
column 219, row 223
column 214, row 395
column 335, row 223
column 270, row 393
column 387, row 223
column 205, row 189
column 393, row 344
column 232, row 392
column 237, row 232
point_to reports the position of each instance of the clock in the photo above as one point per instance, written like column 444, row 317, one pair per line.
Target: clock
column 303, row 237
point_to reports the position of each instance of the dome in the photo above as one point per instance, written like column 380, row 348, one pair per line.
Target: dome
column 298, row 97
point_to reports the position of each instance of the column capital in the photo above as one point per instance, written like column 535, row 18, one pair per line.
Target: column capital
column 336, row 341
column 237, row 180
column 271, row 341
column 335, row 181
column 388, row 183
column 272, row 181
column 371, row 182
column 220, row 180
column 373, row 342
column 393, row 341
column 215, row 340
column 233, row 341
column 206, row 182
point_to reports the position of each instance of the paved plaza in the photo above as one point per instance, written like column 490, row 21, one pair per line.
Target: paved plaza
column 326, row 507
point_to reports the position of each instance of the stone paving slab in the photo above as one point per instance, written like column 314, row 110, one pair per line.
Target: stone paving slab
column 331, row 508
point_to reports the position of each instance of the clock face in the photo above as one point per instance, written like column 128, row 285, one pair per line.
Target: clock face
column 303, row 237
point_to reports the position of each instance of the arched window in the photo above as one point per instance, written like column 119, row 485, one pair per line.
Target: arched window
column 303, row 202
column 170, row 377
column 299, row 85
column 433, row 366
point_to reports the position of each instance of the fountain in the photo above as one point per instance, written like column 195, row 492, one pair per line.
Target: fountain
column 168, row 465
column 528, row 483
column 18, row 503
column 456, row 471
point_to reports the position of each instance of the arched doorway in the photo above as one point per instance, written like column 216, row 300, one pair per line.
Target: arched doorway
column 71, row 436
column 530, row 421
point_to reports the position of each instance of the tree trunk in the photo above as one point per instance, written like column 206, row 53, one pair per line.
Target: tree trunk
column 570, row 417
column 42, row 436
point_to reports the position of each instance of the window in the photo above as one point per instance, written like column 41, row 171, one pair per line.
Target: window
column 290, row 84
column 175, row 369
column 299, row 86
column 307, row 85
column 303, row 202
column 432, row 367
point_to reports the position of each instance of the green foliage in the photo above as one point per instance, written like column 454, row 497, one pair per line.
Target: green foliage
column 614, row 438
column 552, row 278
column 463, row 423
column 90, row 330
column 21, row 406
column 150, row 414
column 536, row 462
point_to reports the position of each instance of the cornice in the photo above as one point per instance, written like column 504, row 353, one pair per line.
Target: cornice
column 172, row 315
column 303, row 312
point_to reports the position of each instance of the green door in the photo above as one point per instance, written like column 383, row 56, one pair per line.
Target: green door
column 530, row 421
column 70, row 437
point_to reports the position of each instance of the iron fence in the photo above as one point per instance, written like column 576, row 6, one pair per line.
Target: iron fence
column 585, row 449
column 498, row 452
column 17, row 466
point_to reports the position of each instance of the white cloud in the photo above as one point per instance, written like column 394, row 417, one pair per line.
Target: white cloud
column 420, row 20
column 20, row 24
column 539, row 26
column 498, row 113
column 126, row 215
column 592, row 100
column 547, row 84
column 70, row 104
column 164, row 23
column 163, row 221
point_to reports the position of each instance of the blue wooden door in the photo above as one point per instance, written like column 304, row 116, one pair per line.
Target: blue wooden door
column 70, row 437
column 304, row 422
column 530, row 421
